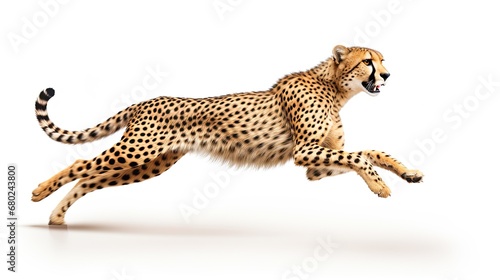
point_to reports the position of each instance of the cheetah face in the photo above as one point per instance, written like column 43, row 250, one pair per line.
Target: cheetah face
column 360, row 69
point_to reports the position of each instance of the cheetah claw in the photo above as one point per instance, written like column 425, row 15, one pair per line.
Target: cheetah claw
column 384, row 193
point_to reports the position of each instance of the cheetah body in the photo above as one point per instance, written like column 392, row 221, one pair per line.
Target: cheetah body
column 298, row 118
column 240, row 129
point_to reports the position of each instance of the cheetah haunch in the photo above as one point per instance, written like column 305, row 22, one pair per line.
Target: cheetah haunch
column 297, row 118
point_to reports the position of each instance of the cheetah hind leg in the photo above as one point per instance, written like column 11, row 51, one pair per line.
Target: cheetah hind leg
column 112, row 179
column 63, row 177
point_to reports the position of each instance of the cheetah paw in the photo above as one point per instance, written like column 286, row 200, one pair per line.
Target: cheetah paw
column 384, row 192
column 380, row 189
column 413, row 176
column 41, row 192
column 56, row 220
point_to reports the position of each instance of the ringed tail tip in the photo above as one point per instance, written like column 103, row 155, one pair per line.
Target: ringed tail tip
column 47, row 94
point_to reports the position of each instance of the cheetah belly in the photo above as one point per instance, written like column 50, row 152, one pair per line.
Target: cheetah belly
column 262, row 145
column 259, row 148
column 249, row 134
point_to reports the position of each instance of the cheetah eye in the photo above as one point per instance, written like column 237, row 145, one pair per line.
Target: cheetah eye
column 367, row 61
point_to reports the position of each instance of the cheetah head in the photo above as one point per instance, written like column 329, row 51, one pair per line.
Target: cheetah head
column 359, row 69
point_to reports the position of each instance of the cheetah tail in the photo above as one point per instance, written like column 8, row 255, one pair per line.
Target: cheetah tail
column 101, row 130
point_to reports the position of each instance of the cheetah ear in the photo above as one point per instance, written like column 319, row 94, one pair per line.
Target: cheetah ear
column 339, row 53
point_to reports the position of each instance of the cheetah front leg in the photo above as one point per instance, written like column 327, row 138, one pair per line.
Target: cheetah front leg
column 377, row 158
column 314, row 174
column 334, row 141
column 387, row 162
column 319, row 158
column 113, row 179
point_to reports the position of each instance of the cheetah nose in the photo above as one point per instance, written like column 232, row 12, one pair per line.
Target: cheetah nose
column 385, row 75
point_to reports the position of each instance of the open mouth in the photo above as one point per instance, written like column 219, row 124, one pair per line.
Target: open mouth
column 372, row 88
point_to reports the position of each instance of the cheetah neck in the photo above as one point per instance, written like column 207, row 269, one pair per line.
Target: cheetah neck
column 325, row 71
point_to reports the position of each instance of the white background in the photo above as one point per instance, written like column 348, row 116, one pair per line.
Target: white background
column 263, row 223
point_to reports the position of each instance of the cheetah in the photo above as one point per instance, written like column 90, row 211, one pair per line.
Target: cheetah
column 297, row 118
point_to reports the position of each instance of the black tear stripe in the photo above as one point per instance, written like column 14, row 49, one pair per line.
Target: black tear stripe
column 371, row 80
column 372, row 75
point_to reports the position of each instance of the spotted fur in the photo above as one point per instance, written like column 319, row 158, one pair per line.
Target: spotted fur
column 297, row 118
